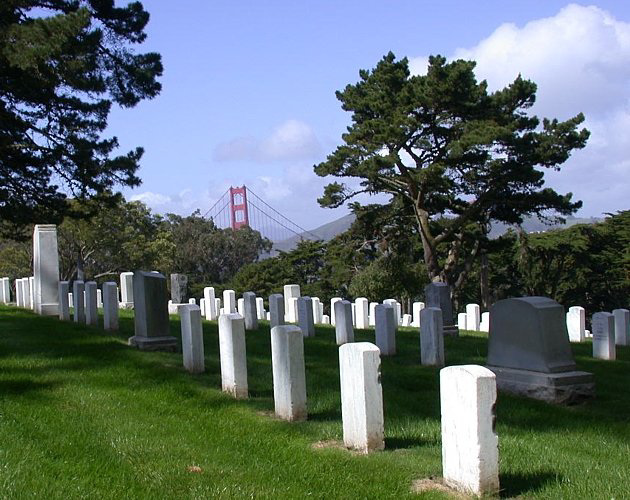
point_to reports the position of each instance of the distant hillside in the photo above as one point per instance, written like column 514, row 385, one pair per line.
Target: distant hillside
column 328, row 231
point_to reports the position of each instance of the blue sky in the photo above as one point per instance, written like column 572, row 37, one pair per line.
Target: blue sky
column 249, row 89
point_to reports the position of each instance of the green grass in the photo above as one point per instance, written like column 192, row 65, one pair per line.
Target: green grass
column 83, row 415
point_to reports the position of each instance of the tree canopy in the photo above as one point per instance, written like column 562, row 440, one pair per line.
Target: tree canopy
column 450, row 153
column 63, row 64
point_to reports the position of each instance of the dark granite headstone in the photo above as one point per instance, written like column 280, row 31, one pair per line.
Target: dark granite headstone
column 305, row 316
column 276, row 310
column 529, row 351
column 152, row 326
column 439, row 295
column 179, row 288
column 249, row 311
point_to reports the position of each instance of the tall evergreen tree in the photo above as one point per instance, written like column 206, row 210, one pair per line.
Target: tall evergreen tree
column 455, row 154
column 63, row 63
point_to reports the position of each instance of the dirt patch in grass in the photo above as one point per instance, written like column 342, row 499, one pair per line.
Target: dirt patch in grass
column 436, row 484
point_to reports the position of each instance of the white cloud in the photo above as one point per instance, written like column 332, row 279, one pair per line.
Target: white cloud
column 290, row 141
column 151, row 199
column 580, row 60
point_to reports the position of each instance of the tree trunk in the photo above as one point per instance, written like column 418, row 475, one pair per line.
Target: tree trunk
column 80, row 271
column 483, row 275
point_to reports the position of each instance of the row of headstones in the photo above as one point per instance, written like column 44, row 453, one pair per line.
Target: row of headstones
column 86, row 300
column 467, row 393
column 473, row 319
column 620, row 331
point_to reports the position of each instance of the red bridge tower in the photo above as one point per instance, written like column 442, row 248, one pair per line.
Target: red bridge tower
column 238, row 207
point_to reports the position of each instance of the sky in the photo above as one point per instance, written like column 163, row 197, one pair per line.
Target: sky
column 249, row 89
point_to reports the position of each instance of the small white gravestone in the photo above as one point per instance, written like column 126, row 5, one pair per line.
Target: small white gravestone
column 325, row 319
column 415, row 309
column 484, row 326
column 462, row 320
column 211, row 301
column 217, row 307
column 233, row 355
column 406, row 320
column 240, row 303
column 361, row 397
column 268, row 316
column 202, row 306
column 126, row 290
column 91, row 311
column 291, row 292
column 229, row 301
column 473, row 317
column 622, row 326
column 31, row 291
column 576, row 324
column 431, row 337
column 289, row 373
column 78, row 287
column 193, row 301
column 64, row 305
column 321, row 312
column 603, row 324
column 260, row 308
column 292, row 314
column 353, row 309
column 344, row 331
column 315, row 303
column 110, row 306
column 44, row 285
column 372, row 315
column 192, row 338
column 470, row 454
column 99, row 299
column 332, row 309
column 385, row 329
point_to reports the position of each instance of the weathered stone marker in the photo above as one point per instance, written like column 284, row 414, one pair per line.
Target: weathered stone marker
column 362, row 306
column 260, row 308
column 415, row 309
column 249, row 310
column 431, row 337
column 192, row 338
column 361, row 397
column 110, row 306
column 233, row 355
column 6, row 290
column 603, row 325
column 126, row 290
column 78, row 289
column 439, row 295
column 276, row 310
column 385, row 329
column 333, row 301
column 209, row 296
column 289, row 373
column 470, row 454
column 372, row 315
column 91, row 310
column 239, row 307
column 529, row 351
column 179, row 288
column 305, row 316
column 462, row 321
column 576, row 324
column 622, row 326
column 151, row 318
column 344, row 331
column 64, row 305
column 45, row 270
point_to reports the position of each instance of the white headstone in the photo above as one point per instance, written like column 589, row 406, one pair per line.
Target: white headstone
column 202, row 306
column 576, row 324
column 431, row 337
column 325, row 319
column 415, row 309
column 622, row 326
column 192, row 301
column 462, row 320
column 361, row 397
column 372, row 315
column 260, row 308
column 240, row 307
column 64, row 305
column 229, row 301
column 484, row 325
column 317, row 315
column 233, row 355
column 192, row 338
column 291, row 292
column 361, row 307
column 344, row 331
column 126, row 289
column 473, row 317
column 603, row 324
column 31, row 289
column 91, row 311
column 332, row 309
column 110, row 306
column 406, row 320
column 78, row 287
column 393, row 302
column 289, row 374
column 211, row 301
column 385, row 329
column 470, row 453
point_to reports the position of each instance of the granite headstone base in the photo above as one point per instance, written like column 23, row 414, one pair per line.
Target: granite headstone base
column 451, row 330
column 565, row 388
column 168, row 344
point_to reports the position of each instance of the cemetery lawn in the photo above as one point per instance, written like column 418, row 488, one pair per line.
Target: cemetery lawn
column 83, row 415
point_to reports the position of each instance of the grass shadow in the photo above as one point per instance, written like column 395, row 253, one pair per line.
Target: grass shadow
column 519, row 484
